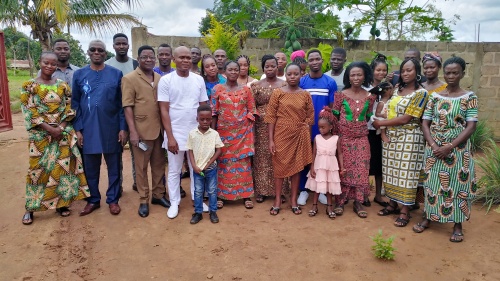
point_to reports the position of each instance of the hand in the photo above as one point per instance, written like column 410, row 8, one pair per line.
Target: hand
column 312, row 172
column 272, row 147
column 172, row 145
column 122, row 137
column 342, row 172
column 389, row 76
column 443, row 151
column 376, row 124
column 197, row 169
column 55, row 133
column 79, row 139
column 134, row 139
column 385, row 138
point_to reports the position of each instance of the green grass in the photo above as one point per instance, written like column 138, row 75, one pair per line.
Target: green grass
column 482, row 137
column 16, row 80
column 489, row 191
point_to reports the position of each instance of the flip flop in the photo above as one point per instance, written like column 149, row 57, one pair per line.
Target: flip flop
column 260, row 198
column 454, row 238
column 28, row 218
column 63, row 211
column 419, row 228
column 274, row 211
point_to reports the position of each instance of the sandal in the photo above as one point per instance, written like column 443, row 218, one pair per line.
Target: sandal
column 361, row 213
column 28, row 218
column 274, row 211
column 400, row 222
column 220, row 204
column 419, row 227
column 339, row 210
column 385, row 211
column 297, row 210
column 260, row 198
column 367, row 203
column 314, row 211
column 457, row 237
column 381, row 203
column 63, row 211
column 248, row 203
column 330, row 214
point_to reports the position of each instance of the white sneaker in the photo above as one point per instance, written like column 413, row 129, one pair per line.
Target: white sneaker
column 173, row 211
column 302, row 200
column 322, row 199
column 205, row 208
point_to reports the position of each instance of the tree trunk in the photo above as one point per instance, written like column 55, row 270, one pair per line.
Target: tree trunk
column 45, row 44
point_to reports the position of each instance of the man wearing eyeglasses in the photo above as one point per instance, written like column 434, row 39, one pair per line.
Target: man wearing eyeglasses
column 140, row 102
column 99, row 124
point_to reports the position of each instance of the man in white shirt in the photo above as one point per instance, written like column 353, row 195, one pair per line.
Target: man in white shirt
column 180, row 93
column 337, row 61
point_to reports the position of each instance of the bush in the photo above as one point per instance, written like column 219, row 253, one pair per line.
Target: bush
column 482, row 137
column 383, row 247
column 222, row 36
column 489, row 191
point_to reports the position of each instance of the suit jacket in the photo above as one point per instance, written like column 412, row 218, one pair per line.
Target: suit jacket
column 97, row 99
column 138, row 93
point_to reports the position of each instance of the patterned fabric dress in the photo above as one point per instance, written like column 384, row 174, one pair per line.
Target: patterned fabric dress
column 293, row 114
column 402, row 158
column 449, row 184
column 353, row 117
column 326, row 166
column 55, row 175
column 263, row 172
column 235, row 111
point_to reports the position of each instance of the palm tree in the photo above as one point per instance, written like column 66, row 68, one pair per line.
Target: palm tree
column 47, row 16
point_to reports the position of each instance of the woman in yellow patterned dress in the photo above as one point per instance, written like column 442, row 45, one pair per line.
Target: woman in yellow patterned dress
column 55, row 175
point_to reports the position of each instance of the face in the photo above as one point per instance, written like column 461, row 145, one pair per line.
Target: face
column 412, row 55
column 281, row 60
column 408, row 73
column 195, row 55
column 293, row 75
column 431, row 69
column 62, row 51
column 48, row 64
column 204, row 118
column 220, row 58
column 210, row 67
column 356, row 77
column 380, row 72
column 232, row 72
column 453, row 73
column 303, row 68
column 97, row 53
column 243, row 66
column 120, row 45
column 315, row 62
column 182, row 59
column 147, row 60
column 270, row 68
column 324, row 127
column 165, row 56
column 337, row 61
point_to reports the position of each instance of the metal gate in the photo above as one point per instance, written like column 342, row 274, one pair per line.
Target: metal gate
column 5, row 114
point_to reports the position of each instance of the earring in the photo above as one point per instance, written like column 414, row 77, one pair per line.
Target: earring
column 419, row 77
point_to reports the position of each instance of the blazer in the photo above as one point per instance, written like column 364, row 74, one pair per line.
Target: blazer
column 138, row 93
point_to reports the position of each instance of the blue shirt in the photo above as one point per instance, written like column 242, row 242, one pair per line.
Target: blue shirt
column 210, row 85
column 157, row 70
column 322, row 92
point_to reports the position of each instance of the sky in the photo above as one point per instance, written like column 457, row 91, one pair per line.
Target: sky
column 182, row 17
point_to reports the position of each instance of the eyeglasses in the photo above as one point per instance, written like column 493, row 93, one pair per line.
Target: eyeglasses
column 99, row 50
column 146, row 58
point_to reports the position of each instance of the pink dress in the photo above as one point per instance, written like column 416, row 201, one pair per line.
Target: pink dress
column 326, row 167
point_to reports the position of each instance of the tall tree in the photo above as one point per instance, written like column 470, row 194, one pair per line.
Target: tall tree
column 45, row 17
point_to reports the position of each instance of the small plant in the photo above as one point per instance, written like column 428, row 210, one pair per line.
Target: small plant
column 489, row 191
column 383, row 247
column 481, row 137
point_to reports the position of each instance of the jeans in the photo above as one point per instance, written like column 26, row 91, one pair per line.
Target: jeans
column 208, row 182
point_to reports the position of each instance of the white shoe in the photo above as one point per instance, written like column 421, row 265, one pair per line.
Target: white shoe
column 205, row 208
column 302, row 200
column 173, row 211
column 322, row 199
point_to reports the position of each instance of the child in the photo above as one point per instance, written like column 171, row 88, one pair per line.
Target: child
column 384, row 91
column 324, row 176
column 204, row 147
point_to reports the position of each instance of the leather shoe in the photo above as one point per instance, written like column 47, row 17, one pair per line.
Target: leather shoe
column 196, row 218
column 162, row 201
column 89, row 208
column 143, row 210
column 114, row 208
column 183, row 192
column 213, row 217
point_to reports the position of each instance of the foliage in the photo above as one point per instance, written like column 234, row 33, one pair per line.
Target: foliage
column 383, row 248
column 392, row 61
column 482, row 136
column 489, row 191
column 45, row 17
column 222, row 36
column 326, row 52
column 16, row 80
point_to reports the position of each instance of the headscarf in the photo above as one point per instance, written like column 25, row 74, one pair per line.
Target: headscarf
column 432, row 56
column 298, row 53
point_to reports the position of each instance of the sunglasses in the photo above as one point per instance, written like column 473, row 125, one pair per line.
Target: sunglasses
column 100, row 50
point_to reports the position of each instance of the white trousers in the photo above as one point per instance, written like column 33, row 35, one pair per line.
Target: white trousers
column 175, row 162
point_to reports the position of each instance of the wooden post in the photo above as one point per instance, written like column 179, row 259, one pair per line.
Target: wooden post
column 5, row 113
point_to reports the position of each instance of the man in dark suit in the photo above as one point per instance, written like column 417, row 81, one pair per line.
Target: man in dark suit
column 99, row 124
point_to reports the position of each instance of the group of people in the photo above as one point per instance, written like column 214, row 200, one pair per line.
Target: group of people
column 296, row 130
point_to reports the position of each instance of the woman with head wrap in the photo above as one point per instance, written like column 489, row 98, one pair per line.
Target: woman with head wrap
column 431, row 64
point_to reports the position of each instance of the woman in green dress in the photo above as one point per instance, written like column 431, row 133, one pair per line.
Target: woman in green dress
column 450, row 184
column 55, row 174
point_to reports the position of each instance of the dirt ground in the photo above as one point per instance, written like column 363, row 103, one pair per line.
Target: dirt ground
column 245, row 245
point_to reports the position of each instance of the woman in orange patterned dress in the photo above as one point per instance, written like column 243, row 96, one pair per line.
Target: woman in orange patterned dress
column 233, row 110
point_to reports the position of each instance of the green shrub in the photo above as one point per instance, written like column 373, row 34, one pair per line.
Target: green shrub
column 482, row 137
column 383, row 248
column 489, row 191
column 222, row 36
